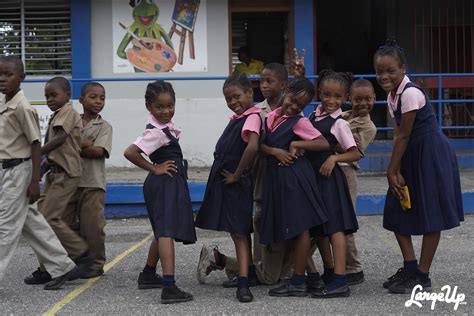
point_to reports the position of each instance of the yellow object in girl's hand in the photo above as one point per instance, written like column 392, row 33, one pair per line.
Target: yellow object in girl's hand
column 406, row 203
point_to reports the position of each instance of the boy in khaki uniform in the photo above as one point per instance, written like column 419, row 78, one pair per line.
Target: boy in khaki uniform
column 20, row 149
column 62, row 147
column 87, row 204
column 362, row 98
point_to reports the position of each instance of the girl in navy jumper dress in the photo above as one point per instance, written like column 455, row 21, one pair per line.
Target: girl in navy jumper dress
column 424, row 161
column 228, row 199
column 292, row 204
column 333, row 91
column 165, row 189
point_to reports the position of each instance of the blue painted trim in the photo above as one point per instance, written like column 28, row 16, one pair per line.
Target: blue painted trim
column 126, row 200
column 81, row 43
column 304, row 28
column 379, row 146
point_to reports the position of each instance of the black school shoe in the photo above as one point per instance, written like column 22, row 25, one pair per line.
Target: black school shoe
column 355, row 278
column 342, row 291
column 406, row 285
column 92, row 273
column 397, row 277
column 57, row 283
column 149, row 281
column 234, row 282
column 288, row 289
column 172, row 294
column 314, row 285
column 38, row 277
column 244, row 295
column 84, row 264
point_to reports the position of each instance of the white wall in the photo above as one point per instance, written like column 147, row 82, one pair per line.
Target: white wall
column 200, row 108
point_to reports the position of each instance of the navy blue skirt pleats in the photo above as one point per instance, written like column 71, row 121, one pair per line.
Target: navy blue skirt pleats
column 431, row 173
column 226, row 207
column 336, row 196
column 291, row 201
column 169, row 206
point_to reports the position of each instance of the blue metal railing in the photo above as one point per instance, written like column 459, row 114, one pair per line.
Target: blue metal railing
column 440, row 101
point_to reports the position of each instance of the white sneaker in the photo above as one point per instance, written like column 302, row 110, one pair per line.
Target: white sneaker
column 207, row 263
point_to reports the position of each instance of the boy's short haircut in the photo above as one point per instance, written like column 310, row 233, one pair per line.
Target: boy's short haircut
column 14, row 61
column 85, row 88
column 362, row 83
column 279, row 70
column 62, row 82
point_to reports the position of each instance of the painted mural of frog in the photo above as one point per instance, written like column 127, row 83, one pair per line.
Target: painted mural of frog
column 145, row 14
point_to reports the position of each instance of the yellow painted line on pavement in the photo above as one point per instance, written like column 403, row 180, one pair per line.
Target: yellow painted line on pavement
column 76, row 292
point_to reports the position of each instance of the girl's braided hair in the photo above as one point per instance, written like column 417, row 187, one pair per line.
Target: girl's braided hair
column 237, row 79
column 153, row 89
column 299, row 85
column 391, row 48
column 345, row 78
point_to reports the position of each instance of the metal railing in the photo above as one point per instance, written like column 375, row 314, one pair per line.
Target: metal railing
column 440, row 101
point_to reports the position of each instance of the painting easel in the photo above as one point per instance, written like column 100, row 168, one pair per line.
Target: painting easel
column 182, row 41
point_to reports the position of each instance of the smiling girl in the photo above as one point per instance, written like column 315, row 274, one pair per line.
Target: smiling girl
column 165, row 189
column 424, row 161
column 292, row 204
column 228, row 200
column 334, row 91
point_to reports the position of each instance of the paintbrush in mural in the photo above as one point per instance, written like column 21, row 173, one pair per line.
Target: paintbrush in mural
column 146, row 45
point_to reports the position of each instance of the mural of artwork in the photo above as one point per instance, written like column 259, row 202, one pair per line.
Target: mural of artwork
column 143, row 44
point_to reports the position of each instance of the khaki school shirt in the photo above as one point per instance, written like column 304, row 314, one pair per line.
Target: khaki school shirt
column 99, row 131
column 19, row 127
column 259, row 165
column 363, row 129
column 67, row 156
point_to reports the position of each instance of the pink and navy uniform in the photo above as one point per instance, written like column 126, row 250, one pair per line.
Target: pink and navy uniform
column 429, row 167
column 334, row 189
column 229, row 207
column 167, row 198
column 291, row 202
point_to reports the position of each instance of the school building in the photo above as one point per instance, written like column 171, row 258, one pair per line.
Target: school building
column 126, row 44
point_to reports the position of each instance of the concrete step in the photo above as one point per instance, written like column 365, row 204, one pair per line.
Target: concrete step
column 125, row 198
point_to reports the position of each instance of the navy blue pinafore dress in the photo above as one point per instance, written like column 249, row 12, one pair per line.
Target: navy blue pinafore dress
column 334, row 189
column 227, row 207
column 291, row 202
column 431, row 172
column 167, row 198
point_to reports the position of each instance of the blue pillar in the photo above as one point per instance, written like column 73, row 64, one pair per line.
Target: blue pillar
column 81, row 43
column 304, row 28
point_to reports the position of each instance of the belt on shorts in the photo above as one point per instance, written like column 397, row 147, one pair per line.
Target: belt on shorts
column 10, row 163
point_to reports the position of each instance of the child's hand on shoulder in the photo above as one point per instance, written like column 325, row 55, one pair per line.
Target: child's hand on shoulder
column 328, row 166
column 285, row 158
column 229, row 178
column 167, row 167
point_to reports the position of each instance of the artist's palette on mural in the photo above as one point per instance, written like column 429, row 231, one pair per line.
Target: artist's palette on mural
column 156, row 57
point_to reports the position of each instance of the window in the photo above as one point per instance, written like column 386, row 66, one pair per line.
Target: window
column 39, row 32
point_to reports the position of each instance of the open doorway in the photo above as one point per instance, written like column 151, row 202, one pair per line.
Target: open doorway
column 265, row 28
column 347, row 39
column 264, row 33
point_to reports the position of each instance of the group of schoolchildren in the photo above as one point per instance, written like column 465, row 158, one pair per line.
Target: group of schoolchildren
column 64, row 224
column 289, row 179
